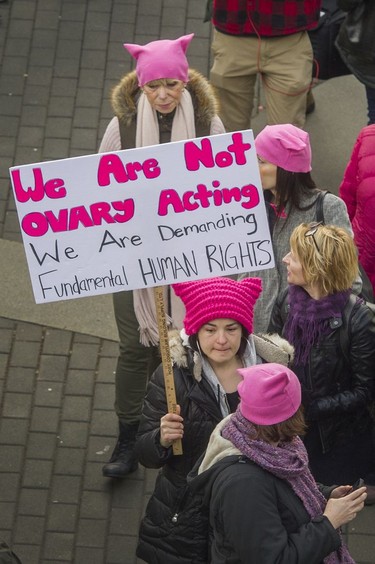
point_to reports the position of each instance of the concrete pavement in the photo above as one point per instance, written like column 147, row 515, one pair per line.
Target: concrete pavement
column 59, row 60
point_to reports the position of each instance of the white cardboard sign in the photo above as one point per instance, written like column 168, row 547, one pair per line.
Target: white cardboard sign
column 143, row 217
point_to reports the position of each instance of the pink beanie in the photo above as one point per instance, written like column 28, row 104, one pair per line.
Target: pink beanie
column 270, row 393
column 285, row 146
column 214, row 298
column 164, row 58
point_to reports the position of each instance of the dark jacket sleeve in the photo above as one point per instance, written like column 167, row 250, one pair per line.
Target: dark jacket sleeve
column 246, row 509
column 348, row 5
column 278, row 315
column 148, row 448
column 361, row 354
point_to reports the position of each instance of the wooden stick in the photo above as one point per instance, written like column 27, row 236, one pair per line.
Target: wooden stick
column 166, row 360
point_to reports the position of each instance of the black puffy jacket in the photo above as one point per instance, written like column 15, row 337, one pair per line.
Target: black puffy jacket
column 338, row 385
column 356, row 39
column 201, row 413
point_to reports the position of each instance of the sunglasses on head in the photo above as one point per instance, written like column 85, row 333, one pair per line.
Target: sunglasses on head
column 313, row 228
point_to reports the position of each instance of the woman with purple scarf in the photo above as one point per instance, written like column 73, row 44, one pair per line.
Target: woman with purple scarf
column 267, row 507
column 333, row 334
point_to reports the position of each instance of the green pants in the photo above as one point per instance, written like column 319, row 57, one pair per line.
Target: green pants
column 135, row 363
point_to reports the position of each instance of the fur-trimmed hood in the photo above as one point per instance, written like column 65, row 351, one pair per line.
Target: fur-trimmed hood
column 125, row 94
column 271, row 348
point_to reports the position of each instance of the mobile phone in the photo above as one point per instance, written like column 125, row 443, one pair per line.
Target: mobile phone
column 358, row 484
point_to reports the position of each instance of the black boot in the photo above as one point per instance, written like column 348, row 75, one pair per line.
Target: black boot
column 123, row 460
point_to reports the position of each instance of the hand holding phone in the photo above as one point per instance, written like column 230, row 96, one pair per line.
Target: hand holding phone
column 358, row 484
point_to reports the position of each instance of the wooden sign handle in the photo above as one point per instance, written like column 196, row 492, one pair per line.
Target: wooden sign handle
column 166, row 360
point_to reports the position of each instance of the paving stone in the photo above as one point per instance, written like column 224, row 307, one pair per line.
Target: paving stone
column 28, row 553
column 59, row 546
column 9, row 484
column 11, row 458
column 94, row 505
column 25, row 354
column 59, row 127
column 121, row 549
column 41, row 446
column 104, row 396
column 80, row 382
column 57, row 342
column 93, row 478
column 103, row 422
column 37, row 474
column 52, row 368
column 41, row 72
column 29, row 530
column 83, row 555
column 13, row 431
column 84, row 356
column 6, row 337
column 76, row 408
column 29, row 332
column 17, row 405
column 70, row 461
column 73, row 434
column 65, row 489
column 106, row 370
column 33, row 502
column 62, row 517
column 20, row 379
column 48, row 393
column 61, row 106
column 91, row 532
column 31, row 136
column 45, row 419
column 7, row 513
column 55, row 148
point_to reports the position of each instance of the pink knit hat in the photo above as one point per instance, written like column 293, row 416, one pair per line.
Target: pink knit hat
column 285, row 146
column 214, row 298
column 164, row 58
column 270, row 393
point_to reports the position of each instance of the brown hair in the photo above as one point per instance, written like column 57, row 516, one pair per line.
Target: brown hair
column 284, row 431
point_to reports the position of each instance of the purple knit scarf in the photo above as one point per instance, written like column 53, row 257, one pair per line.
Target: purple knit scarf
column 287, row 461
column 308, row 319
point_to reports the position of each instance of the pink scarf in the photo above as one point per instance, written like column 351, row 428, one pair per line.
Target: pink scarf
column 288, row 461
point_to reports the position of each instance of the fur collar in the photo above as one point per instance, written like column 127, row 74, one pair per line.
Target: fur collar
column 125, row 94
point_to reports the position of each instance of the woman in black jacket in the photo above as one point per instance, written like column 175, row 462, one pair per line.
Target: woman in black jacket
column 216, row 341
column 333, row 333
column 265, row 507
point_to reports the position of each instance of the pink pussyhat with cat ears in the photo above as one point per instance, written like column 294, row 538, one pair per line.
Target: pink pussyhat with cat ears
column 164, row 58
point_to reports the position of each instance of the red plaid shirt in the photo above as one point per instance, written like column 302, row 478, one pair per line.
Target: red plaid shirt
column 265, row 17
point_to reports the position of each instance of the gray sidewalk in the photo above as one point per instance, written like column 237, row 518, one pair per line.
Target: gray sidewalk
column 59, row 60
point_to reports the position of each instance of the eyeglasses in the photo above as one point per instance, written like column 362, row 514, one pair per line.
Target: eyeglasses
column 311, row 233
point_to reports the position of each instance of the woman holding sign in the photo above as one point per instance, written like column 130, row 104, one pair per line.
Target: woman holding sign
column 217, row 339
column 161, row 101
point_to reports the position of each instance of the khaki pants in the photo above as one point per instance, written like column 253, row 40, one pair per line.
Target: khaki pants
column 285, row 64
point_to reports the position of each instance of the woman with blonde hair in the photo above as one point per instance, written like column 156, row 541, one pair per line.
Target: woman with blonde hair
column 333, row 334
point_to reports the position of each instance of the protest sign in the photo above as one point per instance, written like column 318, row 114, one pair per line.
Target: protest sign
column 143, row 217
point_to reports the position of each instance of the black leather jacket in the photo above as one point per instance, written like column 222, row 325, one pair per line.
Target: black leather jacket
column 356, row 39
column 338, row 381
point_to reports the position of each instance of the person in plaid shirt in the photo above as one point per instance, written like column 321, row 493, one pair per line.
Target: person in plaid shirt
column 268, row 37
